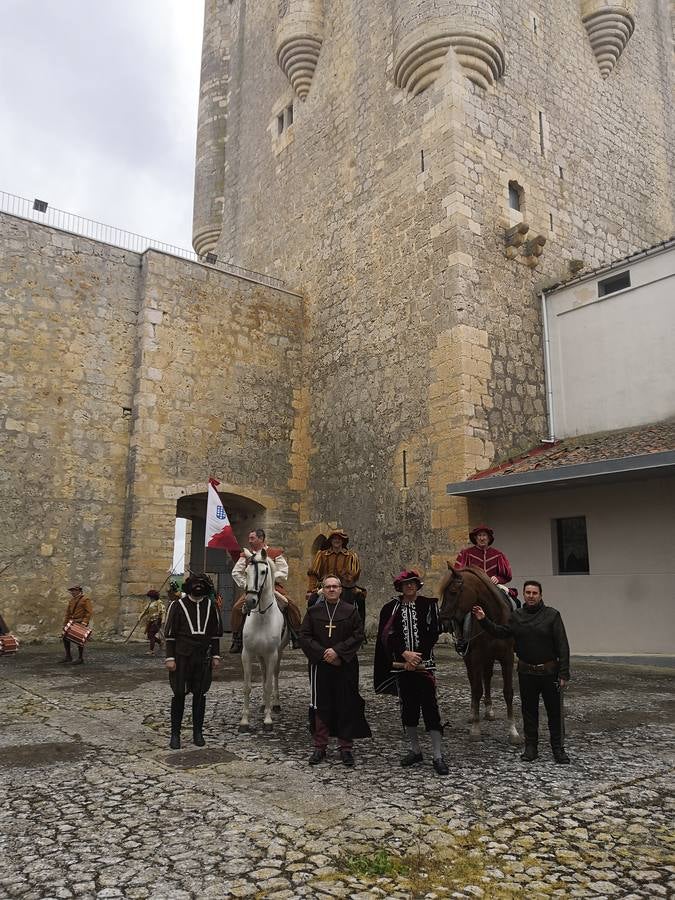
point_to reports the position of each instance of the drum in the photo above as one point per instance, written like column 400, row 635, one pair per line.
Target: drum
column 77, row 633
column 8, row 644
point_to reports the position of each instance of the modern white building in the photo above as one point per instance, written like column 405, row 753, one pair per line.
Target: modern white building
column 590, row 513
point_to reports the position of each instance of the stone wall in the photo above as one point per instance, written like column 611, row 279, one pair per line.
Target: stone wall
column 69, row 308
column 127, row 381
column 389, row 208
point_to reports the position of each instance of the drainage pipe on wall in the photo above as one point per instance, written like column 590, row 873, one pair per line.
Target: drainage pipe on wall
column 547, row 374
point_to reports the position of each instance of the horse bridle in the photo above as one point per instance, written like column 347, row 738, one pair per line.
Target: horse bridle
column 259, row 586
column 461, row 644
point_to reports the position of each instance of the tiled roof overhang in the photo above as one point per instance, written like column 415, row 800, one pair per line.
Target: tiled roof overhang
column 629, row 468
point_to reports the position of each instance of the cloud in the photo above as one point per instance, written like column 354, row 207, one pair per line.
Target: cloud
column 99, row 109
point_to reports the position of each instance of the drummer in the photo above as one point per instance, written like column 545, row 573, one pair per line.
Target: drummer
column 79, row 610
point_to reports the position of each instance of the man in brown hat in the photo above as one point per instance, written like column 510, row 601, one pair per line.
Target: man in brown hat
column 484, row 556
column 153, row 618
column 338, row 560
column 404, row 664
column 80, row 610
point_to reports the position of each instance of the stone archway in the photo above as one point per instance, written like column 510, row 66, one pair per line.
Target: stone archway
column 245, row 515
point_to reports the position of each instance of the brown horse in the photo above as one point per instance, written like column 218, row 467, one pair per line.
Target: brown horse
column 459, row 591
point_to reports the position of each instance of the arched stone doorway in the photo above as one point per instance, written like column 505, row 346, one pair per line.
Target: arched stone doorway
column 245, row 515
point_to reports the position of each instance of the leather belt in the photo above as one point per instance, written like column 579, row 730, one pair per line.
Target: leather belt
column 538, row 668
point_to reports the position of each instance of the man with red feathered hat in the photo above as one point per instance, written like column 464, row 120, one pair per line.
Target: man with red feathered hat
column 405, row 665
column 482, row 555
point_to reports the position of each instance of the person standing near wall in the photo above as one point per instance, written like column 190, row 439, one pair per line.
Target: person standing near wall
column 79, row 610
column 543, row 666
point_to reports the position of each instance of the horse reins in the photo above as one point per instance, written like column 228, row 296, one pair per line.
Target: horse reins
column 257, row 591
column 461, row 645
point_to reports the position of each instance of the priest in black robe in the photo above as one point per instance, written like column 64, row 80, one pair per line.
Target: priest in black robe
column 405, row 666
column 192, row 634
column 330, row 637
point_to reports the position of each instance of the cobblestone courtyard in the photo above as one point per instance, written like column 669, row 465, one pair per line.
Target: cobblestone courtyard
column 95, row 805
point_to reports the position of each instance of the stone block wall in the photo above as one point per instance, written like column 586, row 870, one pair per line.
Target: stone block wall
column 127, row 381
column 389, row 210
column 68, row 309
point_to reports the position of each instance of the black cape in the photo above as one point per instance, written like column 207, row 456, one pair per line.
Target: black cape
column 393, row 638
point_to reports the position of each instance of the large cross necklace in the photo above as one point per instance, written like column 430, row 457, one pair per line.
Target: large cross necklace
column 330, row 627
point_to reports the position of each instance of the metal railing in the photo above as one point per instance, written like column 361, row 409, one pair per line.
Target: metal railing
column 39, row 211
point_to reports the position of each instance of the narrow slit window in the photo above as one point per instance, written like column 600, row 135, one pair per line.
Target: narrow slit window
column 289, row 115
column 550, row 221
column 280, row 123
column 541, row 132
column 405, row 469
column 422, row 159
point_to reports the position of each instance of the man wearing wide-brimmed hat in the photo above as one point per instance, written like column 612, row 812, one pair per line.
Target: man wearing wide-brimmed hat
column 79, row 610
column 339, row 561
column 404, row 663
column 192, row 634
column 483, row 555
column 153, row 618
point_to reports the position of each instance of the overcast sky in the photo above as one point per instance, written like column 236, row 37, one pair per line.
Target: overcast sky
column 98, row 109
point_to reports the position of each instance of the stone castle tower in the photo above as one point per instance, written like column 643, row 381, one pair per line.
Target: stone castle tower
column 418, row 170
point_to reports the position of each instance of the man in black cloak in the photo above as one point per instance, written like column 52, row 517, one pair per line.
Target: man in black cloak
column 192, row 634
column 404, row 664
column 330, row 636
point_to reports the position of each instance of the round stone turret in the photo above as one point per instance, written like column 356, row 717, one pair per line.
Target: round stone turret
column 209, row 200
column 425, row 30
column 299, row 40
column 609, row 27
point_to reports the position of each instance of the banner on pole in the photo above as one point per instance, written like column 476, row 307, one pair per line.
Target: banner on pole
column 219, row 534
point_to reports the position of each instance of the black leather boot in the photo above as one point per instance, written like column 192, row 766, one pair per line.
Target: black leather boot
column 530, row 753
column 198, row 710
column 237, row 642
column 177, row 707
column 560, row 756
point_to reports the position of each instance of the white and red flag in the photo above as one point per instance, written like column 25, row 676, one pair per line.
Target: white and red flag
column 219, row 534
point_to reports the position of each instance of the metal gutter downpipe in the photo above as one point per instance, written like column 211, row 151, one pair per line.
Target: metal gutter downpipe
column 547, row 374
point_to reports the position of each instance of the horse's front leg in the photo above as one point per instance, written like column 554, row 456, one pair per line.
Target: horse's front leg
column 507, row 677
column 488, row 668
column 276, row 702
column 475, row 674
column 268, row 680
column 244, row 724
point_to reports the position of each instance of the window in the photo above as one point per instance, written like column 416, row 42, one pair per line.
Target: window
column 515, row 196
column 614, row 284
column 571, row 545
column 284, row 119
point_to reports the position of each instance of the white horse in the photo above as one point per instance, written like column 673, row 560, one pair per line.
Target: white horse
column 264, row 636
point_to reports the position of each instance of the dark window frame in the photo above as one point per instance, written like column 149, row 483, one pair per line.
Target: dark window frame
column 570, row 551
column 614, row 283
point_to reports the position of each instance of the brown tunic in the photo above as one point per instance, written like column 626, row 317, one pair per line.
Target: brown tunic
column 344, row 564
column 80, row 609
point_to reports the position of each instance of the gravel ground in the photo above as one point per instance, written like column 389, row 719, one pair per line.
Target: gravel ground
column 96, row 805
